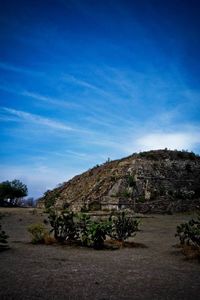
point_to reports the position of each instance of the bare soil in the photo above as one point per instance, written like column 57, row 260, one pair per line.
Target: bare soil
column 157, row 271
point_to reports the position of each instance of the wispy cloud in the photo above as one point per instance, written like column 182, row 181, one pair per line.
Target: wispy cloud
column 85, row 84
column 80, row 82
column 50, row 100
column 40, row 97
column 36, row 119
column 12, row 68
column 8, row 89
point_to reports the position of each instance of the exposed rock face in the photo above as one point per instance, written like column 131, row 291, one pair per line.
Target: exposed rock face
column 155, row 181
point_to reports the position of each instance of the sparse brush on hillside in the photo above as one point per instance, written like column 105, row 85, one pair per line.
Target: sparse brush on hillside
column 170, row 154
column 134, row 181
column 50, row 198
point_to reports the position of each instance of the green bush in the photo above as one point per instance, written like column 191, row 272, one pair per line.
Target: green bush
column 93, row 206
column 92, row 233
column 68, row 226
column 141, row 199
column 123, row 226
column 63, row 225
column 38, row 233
column 126, row 194
column 84, row 224
column 98, row 232
column 131, row 181
column 189, row 232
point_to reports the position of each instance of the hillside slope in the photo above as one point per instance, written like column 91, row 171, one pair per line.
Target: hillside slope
column 153, row 181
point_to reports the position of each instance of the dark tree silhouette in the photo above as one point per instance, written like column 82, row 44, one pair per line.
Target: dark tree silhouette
column 11, row 192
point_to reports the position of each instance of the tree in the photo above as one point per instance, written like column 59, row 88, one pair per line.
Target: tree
column 11, row 192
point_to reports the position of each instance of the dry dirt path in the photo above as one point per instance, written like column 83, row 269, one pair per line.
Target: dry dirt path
column 59, row 272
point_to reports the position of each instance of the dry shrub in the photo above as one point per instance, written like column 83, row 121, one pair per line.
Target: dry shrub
column 38, row 232
column 125, row 244
column 40, row 235
column 115, row 243
column 191, row 252
column 48, row 239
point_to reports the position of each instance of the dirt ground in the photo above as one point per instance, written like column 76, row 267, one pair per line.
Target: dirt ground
column 158, row 271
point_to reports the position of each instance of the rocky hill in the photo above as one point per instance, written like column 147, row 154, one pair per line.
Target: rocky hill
column 154, row 181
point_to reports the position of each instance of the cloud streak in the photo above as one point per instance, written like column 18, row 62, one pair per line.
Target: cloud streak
column 40, row 97
column 36, row 119
column 50, row 100
column 86, row 84
column 12, row 68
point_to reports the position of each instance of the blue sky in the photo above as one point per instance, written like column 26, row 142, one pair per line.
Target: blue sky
column 81, row 81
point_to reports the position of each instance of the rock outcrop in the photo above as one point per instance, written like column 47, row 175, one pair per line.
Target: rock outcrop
column 154, row 181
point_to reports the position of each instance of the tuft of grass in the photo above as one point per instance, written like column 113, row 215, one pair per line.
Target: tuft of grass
column 38, row 232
